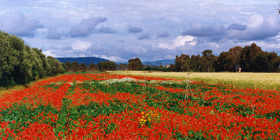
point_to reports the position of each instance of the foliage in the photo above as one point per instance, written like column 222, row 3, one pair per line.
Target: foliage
column 92, row 66
column 83, row 67
column 249, row 59
column 56, row 66
column 68, row 66
column 135, row 64
column 107, row 65
column 158, row 68
column 20, row 64
column 75, row 66
column 196, row 63
column 122, row 66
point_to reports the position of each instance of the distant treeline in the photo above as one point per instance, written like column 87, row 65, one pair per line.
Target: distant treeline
column 249, row 59
column 133, row 64
column 101, row 66
column 20, row 64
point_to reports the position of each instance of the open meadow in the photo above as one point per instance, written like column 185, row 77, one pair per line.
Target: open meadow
column 104, row 106
column 267, row 81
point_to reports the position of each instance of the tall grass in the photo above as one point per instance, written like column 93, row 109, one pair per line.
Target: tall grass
column 266, row 81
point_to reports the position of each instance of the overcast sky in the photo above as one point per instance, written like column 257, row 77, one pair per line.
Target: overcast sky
column 119, row 30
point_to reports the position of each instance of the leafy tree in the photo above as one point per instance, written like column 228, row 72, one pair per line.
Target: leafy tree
column 43, row 63
column 182, row 63
column 92, row 66
column 135, row 64
column 172, row 67
column 68, row 66
column 75, row 66
column 20, row 64
column 107, row 65
column 273, row 64
column 196, row 63
column 223, row 62
column 56, row 67
column 83, row 67
column 229, row 61
column 208, row 61
column 37, row 65
column 64, row 67
column 249, row 56
column 234, row 58
column 59, row 67
column 267, row 62
column 122, row 66
column 8, row 60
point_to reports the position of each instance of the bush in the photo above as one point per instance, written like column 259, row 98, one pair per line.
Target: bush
column 20, row 64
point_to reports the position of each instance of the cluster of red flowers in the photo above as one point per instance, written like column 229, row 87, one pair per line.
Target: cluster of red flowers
column 146, row 111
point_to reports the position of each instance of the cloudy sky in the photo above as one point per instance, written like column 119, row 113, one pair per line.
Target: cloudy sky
column 119, row 30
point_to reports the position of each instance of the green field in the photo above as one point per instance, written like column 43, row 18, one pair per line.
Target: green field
column 267, row 81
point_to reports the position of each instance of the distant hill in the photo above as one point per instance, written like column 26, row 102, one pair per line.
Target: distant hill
column 163, row 62
column 86, row 60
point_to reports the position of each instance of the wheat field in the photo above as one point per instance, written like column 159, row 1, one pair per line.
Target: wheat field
column 266, row 81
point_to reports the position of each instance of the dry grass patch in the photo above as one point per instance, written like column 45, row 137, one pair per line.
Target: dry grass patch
column 267, row 81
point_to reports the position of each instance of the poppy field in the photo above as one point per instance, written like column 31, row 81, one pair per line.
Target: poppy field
column 107, row 106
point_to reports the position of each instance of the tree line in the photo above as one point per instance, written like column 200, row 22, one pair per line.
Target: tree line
column 20, row 64
column 133, row 64
column 101, row 66
column 249, row 59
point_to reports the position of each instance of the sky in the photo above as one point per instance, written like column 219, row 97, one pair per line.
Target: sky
column 119, row 30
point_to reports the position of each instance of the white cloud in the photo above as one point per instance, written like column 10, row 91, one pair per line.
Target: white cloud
column 185, row 41
column 86, row 27
column 49, row 53
column 81, row 45
column 111, row 58
column 214, row 45
column 255, row 20
column 180, row 41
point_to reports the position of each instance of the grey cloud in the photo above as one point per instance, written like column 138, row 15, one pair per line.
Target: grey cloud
column 269, row 28
column 162, row 35
column 210, row 31
column 18, row 24
column 106, row 30
column 121, row 41
column 86, row 27
column 144, row 36
column 260, row 33
column 54, row 34
column 236, row 26
column 134, row 29
column 236, row 32
column 67, row 48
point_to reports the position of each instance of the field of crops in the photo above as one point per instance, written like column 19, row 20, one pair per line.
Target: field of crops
column 240, row 80
column 102, row 106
